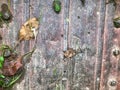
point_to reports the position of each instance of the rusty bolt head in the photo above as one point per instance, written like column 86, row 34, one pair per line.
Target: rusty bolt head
column 113, row 83
column 116, row 52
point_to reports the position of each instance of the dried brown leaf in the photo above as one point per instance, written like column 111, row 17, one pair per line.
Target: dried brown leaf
column 11, row 67
column 13, row 63
column 29, row 29
column 69, row 53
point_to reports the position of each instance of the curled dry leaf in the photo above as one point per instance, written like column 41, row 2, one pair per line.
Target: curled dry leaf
column 29, row 29
column 69, row 53
column 12, row 65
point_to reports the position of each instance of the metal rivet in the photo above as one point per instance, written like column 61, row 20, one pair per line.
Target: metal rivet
column 113, row 83
column 116, row 52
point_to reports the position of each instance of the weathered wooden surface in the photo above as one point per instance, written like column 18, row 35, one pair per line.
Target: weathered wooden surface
column 87, row 27
column 110, row 62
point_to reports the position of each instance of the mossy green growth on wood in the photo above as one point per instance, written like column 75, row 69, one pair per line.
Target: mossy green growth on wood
column 1, row 14
column 1, row 61
column 57, row 6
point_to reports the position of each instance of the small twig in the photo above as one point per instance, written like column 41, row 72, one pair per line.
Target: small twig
column 29, row 53
column 54, row 83
column 16, row 44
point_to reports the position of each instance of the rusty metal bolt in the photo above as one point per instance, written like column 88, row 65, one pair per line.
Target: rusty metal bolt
column 116, row 52
column 113, row 83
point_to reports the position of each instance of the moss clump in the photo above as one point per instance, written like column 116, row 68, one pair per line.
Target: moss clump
column 57, row 6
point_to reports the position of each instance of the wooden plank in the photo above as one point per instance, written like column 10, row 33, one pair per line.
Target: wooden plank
column 46, row 61
column 110, row 62
column 10, row 34
column 20, row 11
column 86, row 32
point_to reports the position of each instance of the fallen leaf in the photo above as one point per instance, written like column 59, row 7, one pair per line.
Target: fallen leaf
column 29, row 29
column 69, row 53
column 13, row 63
column 11, row 67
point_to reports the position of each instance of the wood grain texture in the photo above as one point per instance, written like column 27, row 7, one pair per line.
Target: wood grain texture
column 88, row 28
column 86, row 33
column 110, row 62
